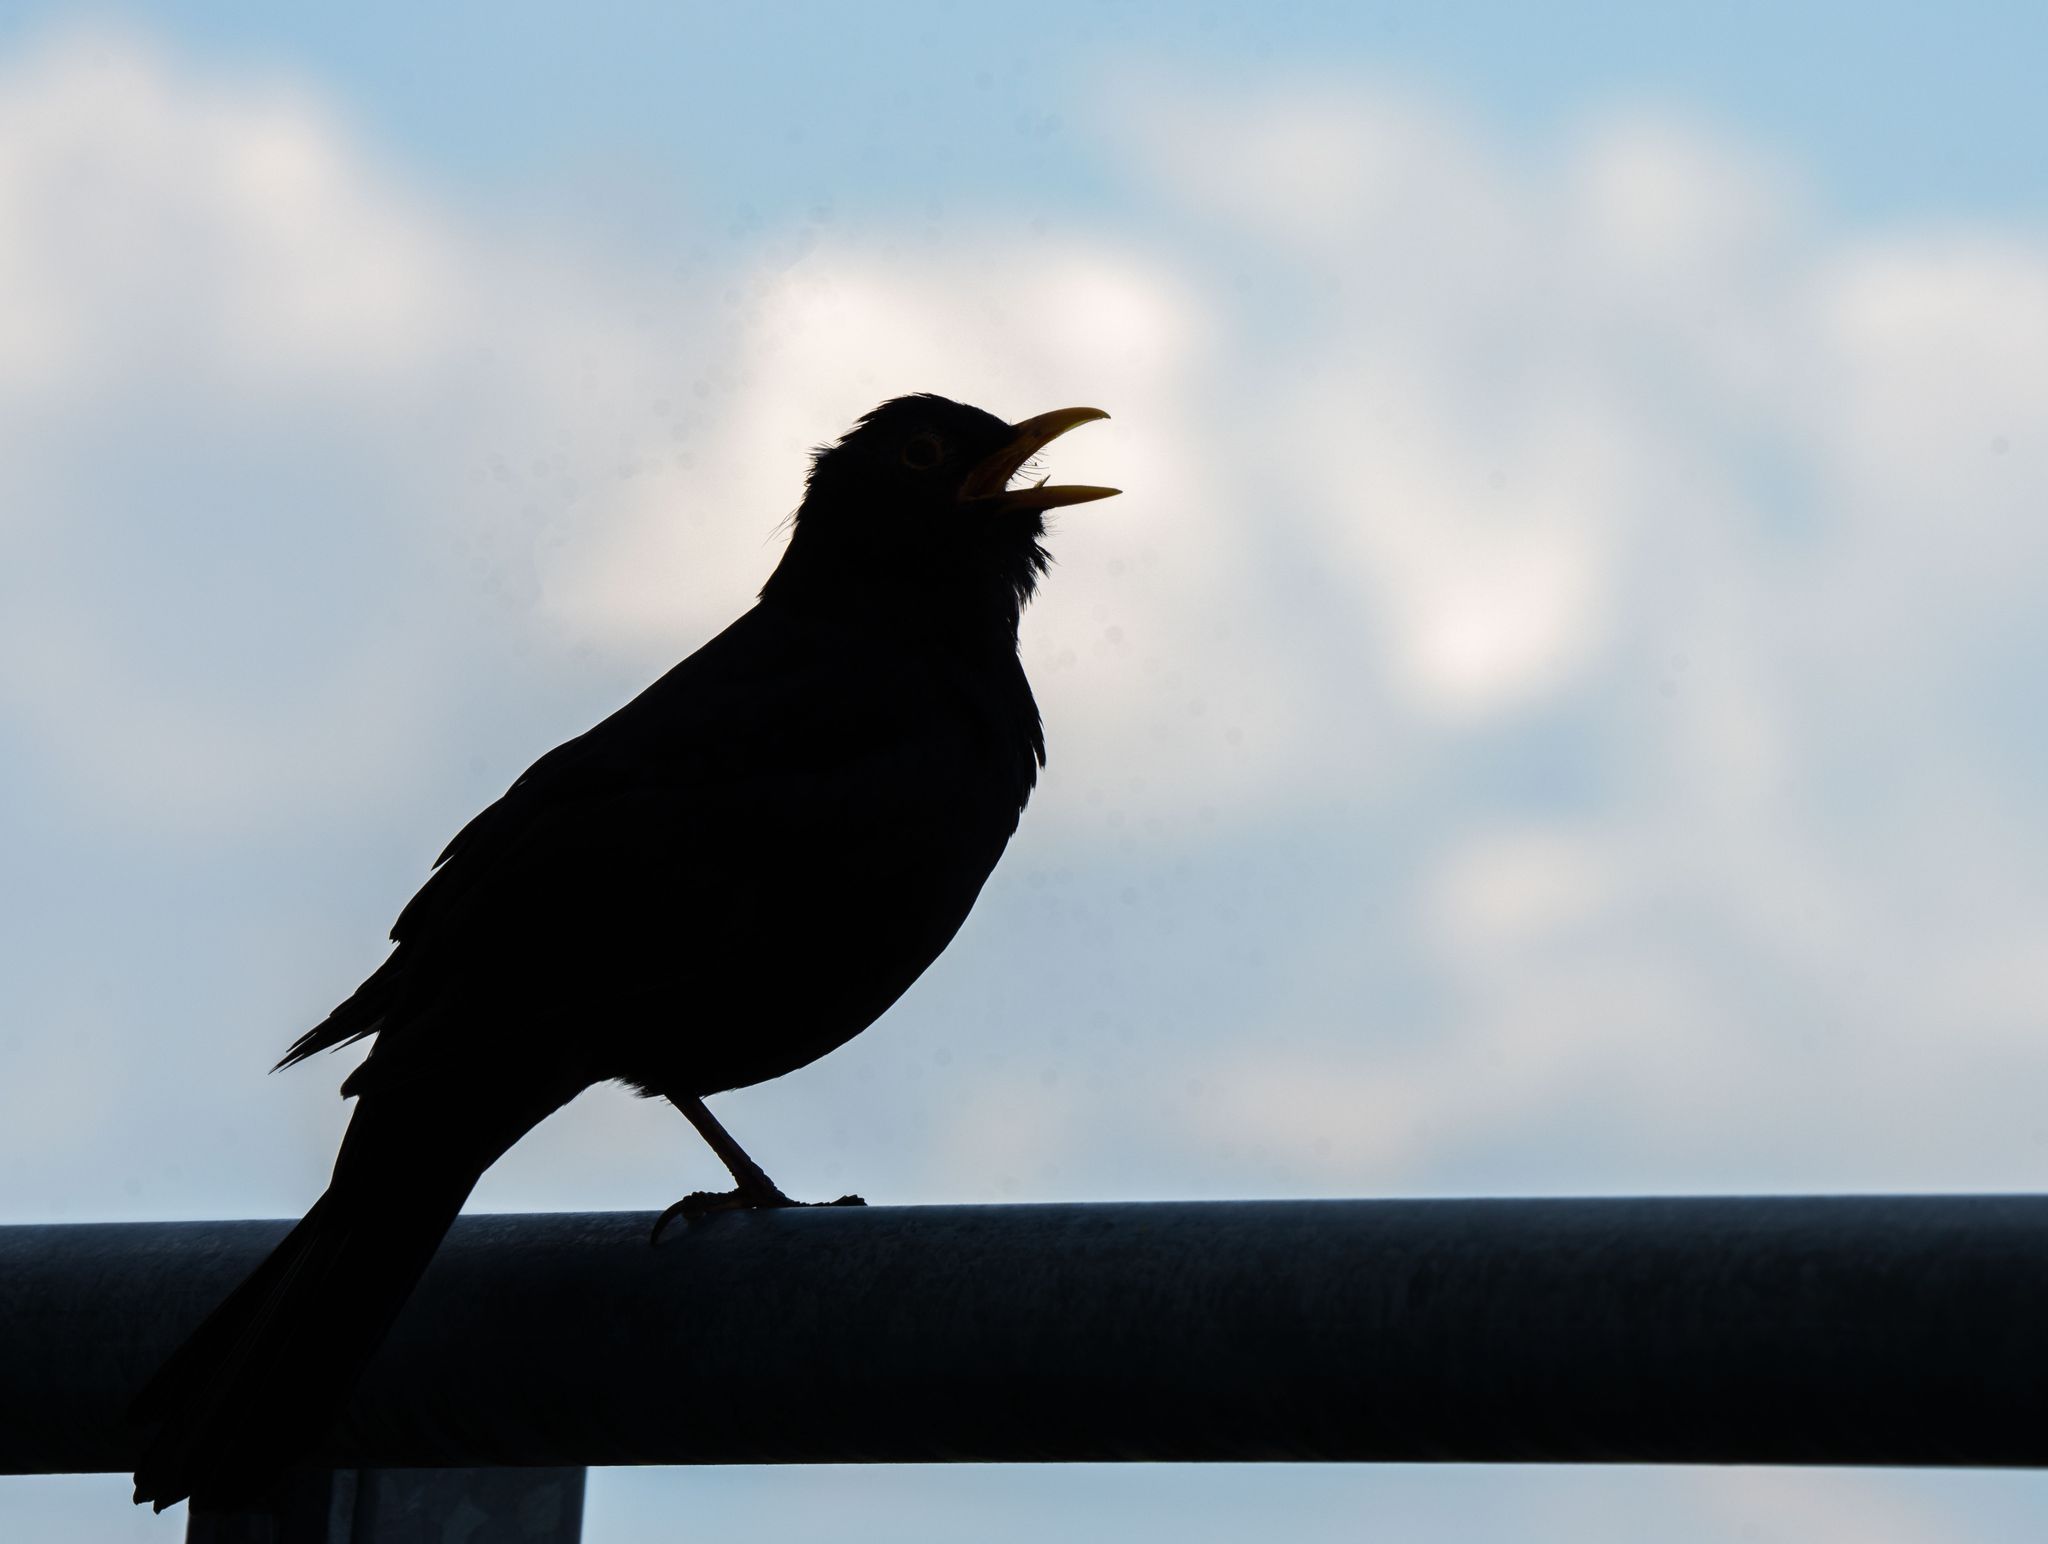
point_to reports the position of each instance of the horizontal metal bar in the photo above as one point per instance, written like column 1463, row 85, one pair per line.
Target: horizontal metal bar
column 404, row 1506
column 1837, row 1330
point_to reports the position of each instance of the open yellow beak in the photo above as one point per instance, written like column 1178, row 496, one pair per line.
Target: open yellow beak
column 985, row 486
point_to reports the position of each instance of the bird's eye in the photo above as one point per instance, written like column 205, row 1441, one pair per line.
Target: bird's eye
column 923, row 452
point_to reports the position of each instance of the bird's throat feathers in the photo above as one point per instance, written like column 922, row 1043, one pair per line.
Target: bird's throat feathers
column 960, row 582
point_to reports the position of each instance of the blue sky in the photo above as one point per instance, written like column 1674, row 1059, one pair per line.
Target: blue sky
column 1893, row 108
column 1557, row 709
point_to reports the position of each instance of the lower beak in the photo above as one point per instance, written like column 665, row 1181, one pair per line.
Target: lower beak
column 985, row 486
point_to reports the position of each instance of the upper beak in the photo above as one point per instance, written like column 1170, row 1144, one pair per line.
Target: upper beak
column 985, row 489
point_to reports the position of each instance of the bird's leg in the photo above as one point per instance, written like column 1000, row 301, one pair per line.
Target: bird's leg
column 753, row 1187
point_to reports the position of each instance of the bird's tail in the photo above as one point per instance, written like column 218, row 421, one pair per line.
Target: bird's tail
column 264, row 1377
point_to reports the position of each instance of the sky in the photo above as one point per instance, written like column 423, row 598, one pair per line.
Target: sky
column 1557, row 709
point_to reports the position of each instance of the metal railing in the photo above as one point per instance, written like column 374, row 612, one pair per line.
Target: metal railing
column 1778, row 1330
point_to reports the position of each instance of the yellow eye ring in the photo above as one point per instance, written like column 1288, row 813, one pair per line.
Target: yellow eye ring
column 923, row 452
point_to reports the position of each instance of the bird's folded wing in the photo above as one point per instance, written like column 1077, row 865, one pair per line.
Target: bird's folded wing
column 763, row 776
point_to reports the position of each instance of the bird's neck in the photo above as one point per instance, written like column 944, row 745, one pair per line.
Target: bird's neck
column 968, row 618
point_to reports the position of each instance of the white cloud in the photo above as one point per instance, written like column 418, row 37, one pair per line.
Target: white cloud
column 828, row 338
column 1378, row 173
column 1673, row 206
column 257, row 388
column 1748, row 502
column 1517, row 885
column 217, row 229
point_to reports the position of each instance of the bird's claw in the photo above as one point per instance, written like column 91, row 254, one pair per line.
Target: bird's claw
column 704, row 1203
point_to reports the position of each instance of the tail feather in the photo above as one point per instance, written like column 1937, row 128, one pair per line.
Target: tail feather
column 211, row 1344
column 261, row 1382
column 264, row 1377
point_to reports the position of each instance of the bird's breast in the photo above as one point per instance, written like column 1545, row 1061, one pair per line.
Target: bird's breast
column 849, row 894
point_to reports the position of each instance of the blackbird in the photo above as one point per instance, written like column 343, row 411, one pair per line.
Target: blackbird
column 733, row 874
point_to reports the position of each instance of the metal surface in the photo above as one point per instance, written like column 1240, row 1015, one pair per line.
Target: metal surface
column 407, row 1506
column 1840, row 1330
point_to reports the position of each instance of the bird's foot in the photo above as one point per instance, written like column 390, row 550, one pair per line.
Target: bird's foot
column 703, row 1203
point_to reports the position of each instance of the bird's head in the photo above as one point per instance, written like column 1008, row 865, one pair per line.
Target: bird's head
column 911, row 514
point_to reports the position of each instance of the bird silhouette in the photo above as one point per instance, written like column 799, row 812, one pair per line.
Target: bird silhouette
column 733, row 874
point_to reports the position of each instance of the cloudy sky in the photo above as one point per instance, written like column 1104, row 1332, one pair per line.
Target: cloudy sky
column 1558, row 709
